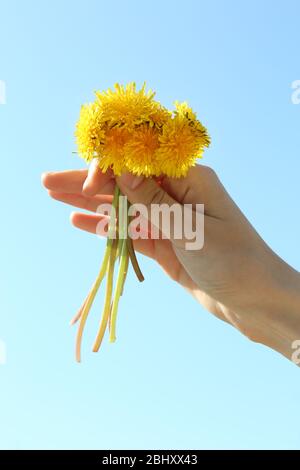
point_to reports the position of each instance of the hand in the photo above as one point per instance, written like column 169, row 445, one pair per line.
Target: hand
column 236, row 276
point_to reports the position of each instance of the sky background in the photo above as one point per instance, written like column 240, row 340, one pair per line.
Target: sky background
column 176, row 377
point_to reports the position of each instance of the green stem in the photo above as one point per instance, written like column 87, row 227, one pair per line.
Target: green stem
column 134, row 260
column 122, row 250
column 126, row 271
column 85, row 309
column 90, row 299
column 112, row 232
column 119, row 288
column 108, row 295
column 132, row 255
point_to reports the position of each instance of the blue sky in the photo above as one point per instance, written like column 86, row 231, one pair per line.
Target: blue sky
column 176, row 377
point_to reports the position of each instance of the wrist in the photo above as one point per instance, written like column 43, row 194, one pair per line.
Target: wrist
column 280, row 310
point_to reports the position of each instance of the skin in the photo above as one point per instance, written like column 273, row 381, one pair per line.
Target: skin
column 235, row 276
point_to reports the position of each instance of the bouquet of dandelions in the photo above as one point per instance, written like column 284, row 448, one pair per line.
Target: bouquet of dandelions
column 126, row 130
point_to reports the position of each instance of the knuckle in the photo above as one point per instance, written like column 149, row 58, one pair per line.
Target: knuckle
column 209, row 172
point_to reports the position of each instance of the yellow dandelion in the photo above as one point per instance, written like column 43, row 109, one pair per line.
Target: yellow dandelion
column 159, row 116
column 128, row 107
column 140, row 151
column 180, row 146
column 89, row 132
column 182, row 109
column 112, row 151
column 127, row 130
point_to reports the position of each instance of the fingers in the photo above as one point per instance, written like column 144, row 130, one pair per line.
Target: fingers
column 202, row 186
column 73, row 182
column 97, row 181
column 83, row 202
column 90, row 222
column 68, row 181
column 200, row 180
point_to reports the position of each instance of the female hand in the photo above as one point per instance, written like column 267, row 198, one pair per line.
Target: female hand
column 235, row 276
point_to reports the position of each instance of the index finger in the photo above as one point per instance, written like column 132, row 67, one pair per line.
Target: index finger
column 72, row 181
column 68, row 181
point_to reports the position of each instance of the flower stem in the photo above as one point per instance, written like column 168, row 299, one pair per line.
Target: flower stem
column 125, row 271
column 89, row 301
column 123, row 265
column 119, row 289
column 132, row 255
column 79, row 312
column 108, row 295
column 134, row 260
column 85, row 308
column 112, row 232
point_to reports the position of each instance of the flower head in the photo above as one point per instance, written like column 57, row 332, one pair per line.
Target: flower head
column 128, row 107
column 112, row 152
column 182, row 141
column 127, row 130
column 140, row 151
column 178, row 148
column 89, row 132
column 183, row 110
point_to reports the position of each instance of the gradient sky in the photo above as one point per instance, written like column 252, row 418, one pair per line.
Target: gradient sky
column 176, row 377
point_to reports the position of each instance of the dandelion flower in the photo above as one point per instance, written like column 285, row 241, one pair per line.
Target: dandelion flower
column 180, row 145
column 182, row 109
column 112, row 151
column 128, row 107
column 140, row 151
column 89, row 132
column 185, row 112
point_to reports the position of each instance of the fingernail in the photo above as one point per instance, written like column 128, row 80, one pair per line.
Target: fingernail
column 131, row 181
